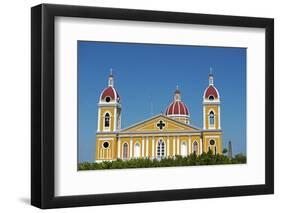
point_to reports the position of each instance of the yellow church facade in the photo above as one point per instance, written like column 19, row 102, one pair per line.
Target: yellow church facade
column 161, row 136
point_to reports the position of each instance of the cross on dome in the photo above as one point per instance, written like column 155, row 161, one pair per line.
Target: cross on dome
column 211, row 71
column 110, row 79
column 177, row 96
column 211, row 77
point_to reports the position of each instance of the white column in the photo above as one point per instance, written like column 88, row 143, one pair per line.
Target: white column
column 115, row 119
column 153, row 147
column 189, row 144
column 168, row 146
column 142, row 147
column 174, row 146
column 99, row 120
column 146, row 152
column 131, row 148
column 119, row 148
column 204, row 117
column 201, row 146
column 178, row 145
column 219, row 116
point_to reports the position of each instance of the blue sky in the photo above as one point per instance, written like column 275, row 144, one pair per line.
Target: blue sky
column 146, row 76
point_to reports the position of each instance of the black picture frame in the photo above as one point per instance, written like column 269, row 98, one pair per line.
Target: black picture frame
column 43, row 102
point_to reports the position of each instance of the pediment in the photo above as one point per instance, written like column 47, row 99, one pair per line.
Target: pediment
column 160, row 123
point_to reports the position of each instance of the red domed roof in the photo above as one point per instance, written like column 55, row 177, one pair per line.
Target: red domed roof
column 110, row 92
column 211, row 90
column 177, row 108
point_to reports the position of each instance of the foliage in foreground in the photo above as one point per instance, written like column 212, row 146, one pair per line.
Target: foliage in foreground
column 191, row 160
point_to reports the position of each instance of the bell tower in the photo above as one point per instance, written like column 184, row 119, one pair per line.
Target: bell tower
column 109, row 122
column 109, row 108
column 211, row 106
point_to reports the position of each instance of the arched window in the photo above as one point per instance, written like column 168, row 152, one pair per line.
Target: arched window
column 211, row 98
column 211, row 118
column 137, row 150
column 106, row 120
column 212, row 146
column 125, row 151
column 183, row 149
column 160, row 149
column 195, row 148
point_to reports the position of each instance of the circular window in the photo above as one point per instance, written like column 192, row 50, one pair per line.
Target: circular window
column 211, row 98
column 105, row 145
column 107, row 99
column 212, row 142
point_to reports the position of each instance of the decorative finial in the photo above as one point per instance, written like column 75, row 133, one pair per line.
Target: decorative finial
column 177, row 96
column 211, row 71
column 110, row 78
column 211, row 77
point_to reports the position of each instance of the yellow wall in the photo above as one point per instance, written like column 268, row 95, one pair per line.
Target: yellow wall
column 112, row 152
column 216, row 136
column 143, row 133
column 106, row 154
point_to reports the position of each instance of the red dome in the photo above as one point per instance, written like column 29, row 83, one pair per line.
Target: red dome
column 211, row 90
column 177, row 108
column 110, row 92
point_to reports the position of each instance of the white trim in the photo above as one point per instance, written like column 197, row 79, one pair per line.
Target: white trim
column 178, row 133
column 139, row 151
column 201, row 148
column 173, row 107
column 168, row 146
column 146, row 152
column 99, row 119
column 189, row 145
column 110, row 104
column 219, row 117
column 119, row 148
column 131, row 148
column 209, row 136
column 178, row 145
column 108, row 139
column 211, row 102
column 204, row 117
column 103, row 145
column 174, row 146
column 164, row 117
column 106, row 129
column 184, row 143
column 211, row 126
column 178, row 115
column 142, row 147
column 115, row 119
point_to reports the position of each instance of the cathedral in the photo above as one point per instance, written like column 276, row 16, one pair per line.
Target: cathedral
column 161, row 136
